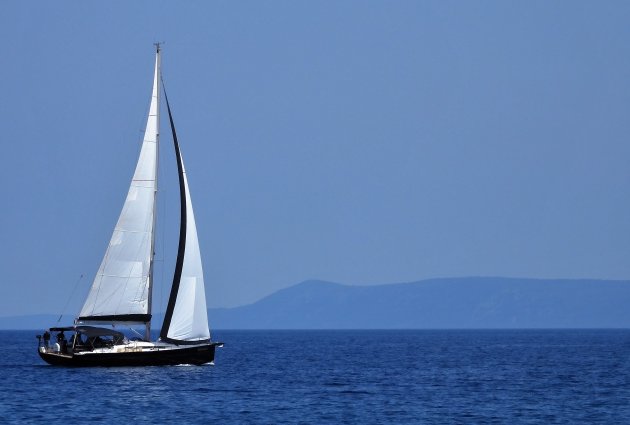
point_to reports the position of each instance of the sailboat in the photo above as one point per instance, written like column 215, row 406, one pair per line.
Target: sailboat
column 120, row 294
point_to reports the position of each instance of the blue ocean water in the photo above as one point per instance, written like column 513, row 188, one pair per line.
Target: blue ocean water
column 486, row 376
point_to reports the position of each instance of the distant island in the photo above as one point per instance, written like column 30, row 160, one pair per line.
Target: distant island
column 448, row 303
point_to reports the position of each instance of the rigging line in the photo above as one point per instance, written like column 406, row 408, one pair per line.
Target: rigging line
column 69, row 298
column 135, row 331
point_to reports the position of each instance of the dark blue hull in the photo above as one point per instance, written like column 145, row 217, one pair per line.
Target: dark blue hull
column 197, row 355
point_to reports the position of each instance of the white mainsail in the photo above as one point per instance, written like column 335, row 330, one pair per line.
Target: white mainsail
column 122, row 286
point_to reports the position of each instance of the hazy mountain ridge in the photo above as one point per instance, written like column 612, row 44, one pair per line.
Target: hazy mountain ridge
column 459, row 303
column 476, row 302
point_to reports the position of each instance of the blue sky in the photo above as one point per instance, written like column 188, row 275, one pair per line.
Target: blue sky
column 357, row 141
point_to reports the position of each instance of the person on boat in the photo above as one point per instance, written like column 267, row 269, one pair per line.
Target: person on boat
column 46, row 339
column 75, row 340
column 63, row 344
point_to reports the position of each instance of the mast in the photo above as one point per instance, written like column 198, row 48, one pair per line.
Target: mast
column 158, row 78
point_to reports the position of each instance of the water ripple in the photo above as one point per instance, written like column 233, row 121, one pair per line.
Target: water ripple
column 341, row 377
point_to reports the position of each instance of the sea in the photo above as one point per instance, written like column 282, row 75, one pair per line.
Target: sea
column 339, row 377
